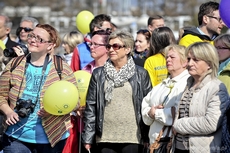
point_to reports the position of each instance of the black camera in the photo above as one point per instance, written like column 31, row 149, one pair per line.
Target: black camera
column 11, row 53
column 24, row 107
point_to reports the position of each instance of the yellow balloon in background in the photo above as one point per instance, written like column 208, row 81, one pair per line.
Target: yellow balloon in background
column 83, row 20
column 2, row 45
column 82, row 78
column 60, row 98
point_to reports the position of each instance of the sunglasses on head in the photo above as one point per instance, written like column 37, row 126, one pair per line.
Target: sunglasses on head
column 114, row 46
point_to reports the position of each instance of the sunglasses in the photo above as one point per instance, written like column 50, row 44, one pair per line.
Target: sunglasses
column 26, row 29
column 114, row 46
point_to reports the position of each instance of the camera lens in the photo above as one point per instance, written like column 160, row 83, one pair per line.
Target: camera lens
column 9, row 52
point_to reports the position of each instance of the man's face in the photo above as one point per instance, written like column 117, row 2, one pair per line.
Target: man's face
column 23, row 34
column 3, row 30
column 156, row 23
column 105, row 25
column 214, row 23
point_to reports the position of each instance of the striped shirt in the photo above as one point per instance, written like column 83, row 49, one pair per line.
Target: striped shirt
column 54, row 126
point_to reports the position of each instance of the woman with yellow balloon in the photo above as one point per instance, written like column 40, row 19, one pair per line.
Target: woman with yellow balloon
column 34, row 99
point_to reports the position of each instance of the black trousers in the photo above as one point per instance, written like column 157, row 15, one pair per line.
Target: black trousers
column 119, row 148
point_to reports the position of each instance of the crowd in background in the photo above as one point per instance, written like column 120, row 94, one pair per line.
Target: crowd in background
column 135, row 83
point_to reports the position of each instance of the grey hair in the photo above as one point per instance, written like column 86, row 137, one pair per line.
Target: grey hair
column 30, row 19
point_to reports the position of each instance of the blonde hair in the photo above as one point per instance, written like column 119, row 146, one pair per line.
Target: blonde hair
column 206, row 52
column 179, row 49
column 72, row 39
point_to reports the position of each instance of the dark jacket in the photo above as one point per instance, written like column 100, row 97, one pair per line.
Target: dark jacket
column 95, row 103
column 10, row 43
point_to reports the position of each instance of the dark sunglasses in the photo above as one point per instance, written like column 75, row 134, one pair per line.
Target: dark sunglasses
column 26, row 29
column 114, row 46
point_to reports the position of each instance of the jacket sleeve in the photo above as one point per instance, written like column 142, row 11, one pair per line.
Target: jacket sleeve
column 208, row 123
column 75, row 61
column 89, row 118
column 146, row 88
column 146, row 106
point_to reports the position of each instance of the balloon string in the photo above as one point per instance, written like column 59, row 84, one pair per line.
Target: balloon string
column 22, row 125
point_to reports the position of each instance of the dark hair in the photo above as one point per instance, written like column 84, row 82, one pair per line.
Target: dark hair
column 161, row 38
column 155, row 17
column 102, row 32
column 146, row 33
column 98, row 21
column 207, row 8
column 54, row 36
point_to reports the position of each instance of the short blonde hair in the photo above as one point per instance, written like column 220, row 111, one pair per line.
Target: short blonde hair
column 125, row 37
column 72, row 39
column 206, row 52
column 179, row 49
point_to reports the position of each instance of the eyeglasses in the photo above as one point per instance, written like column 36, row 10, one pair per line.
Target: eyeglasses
column 37, row 38
column 218, row 19
column 26, row 29
column 218, row 48
column 95, row 45
column 114, row 46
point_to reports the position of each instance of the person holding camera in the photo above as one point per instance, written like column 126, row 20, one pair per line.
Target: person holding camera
column 30, row 127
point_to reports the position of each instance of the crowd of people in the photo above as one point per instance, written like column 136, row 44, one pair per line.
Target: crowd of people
column 135, row 83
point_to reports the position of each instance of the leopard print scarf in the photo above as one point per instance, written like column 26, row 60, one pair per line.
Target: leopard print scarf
column 117, row 78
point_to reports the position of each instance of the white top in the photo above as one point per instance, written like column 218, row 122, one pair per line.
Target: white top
column 156, row 97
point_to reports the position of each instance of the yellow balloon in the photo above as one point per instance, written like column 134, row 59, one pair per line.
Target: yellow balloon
column 60, row 98
column 83, row 79
column 83, row 20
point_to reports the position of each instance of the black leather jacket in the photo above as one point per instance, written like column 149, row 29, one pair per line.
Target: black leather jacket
column 95, row 103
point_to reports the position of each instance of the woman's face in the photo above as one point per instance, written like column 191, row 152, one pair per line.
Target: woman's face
column 141, row 44
column 97, row 47
column 222, row 50
column 197, row 68
column 117, row 51
column 39, row 42
column 174, row 64
column 66, row 48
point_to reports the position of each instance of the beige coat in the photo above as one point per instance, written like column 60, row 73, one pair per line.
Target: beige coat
column 206, row 109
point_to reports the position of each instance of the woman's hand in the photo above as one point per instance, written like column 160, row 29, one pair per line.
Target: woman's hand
column 152, row 111
column 87, row 146
column 12, row 118
column 18, row 50
column 80, row 111
column 42, row 113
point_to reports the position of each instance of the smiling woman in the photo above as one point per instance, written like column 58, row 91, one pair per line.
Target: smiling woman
column 25, row 87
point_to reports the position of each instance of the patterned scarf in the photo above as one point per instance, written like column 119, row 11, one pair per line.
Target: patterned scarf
column 117, row 78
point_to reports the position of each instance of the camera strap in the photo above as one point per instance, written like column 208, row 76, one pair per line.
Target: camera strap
column 43, row 74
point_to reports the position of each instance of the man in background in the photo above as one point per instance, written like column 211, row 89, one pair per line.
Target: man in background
column 82, row 55
column 5, row 28
column 27, row 24
column 210, row 25
column 155, row 21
